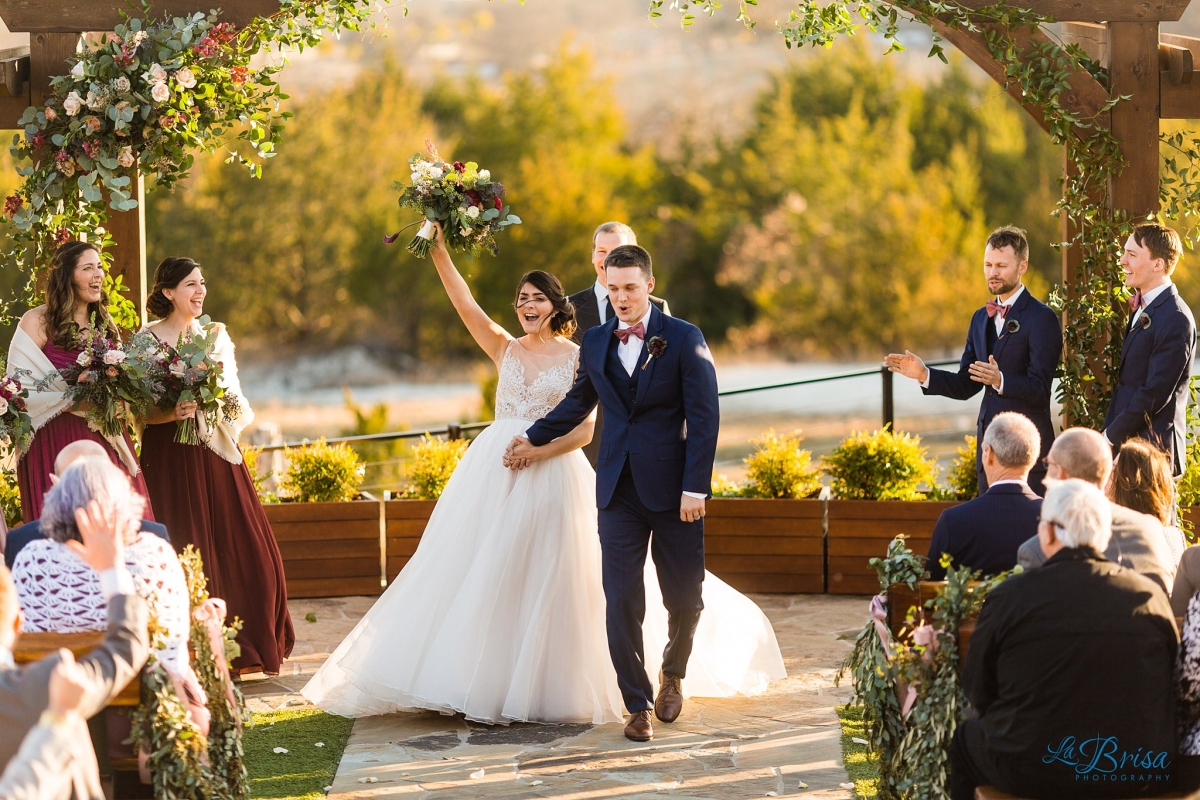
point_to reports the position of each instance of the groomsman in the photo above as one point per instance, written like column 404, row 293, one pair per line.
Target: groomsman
column 592, row 307
column 1150, row 400
column 1013, row 346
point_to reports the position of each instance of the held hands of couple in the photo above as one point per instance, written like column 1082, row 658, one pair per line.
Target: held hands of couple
column 520, row 453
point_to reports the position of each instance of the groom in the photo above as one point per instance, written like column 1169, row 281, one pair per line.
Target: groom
column 654, row 377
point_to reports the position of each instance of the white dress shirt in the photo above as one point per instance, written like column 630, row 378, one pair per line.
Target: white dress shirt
column 629, row 351
column 1017, row 481
column 602, row 302
column 1148, row 298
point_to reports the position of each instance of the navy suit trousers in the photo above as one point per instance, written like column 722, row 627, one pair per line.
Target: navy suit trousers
column 626, row 528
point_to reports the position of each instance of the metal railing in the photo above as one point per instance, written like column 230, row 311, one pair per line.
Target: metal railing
column 453, row 431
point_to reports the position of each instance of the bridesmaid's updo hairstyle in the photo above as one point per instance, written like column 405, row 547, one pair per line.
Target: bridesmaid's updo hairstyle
column 61, row 327
column 563, row 321
column 167, row 275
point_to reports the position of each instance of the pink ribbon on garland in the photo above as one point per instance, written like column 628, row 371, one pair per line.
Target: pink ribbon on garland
column 211, row 613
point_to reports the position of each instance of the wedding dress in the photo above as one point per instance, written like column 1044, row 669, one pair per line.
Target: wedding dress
column 499, row 615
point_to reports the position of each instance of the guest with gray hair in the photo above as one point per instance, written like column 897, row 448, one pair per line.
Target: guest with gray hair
column 1139, row 541
column 60, row 593
column 1031, row 672
column 984, row 533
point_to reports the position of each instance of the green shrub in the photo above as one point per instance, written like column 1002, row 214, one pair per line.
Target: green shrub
column 433, row 462
column 778, row 468
column 322, row 473
column 251, row 456
column 10, row 498
column 723, row 487
column 880, row 466
column 963, row 479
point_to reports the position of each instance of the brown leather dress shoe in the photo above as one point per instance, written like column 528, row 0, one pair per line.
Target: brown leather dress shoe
column 640, row 729
column 669, row 702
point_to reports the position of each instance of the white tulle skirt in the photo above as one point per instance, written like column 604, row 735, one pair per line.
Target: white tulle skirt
column 499, row 615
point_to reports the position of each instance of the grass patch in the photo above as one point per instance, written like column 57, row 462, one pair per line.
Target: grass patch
column 305, row 770
column 861, row 765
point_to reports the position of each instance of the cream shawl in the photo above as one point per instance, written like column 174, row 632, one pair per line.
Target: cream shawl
column 45, row 405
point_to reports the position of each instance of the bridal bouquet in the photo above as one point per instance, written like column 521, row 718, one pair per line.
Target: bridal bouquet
column 462, row 197
column 190, row 372
column 16, row 427
column 113, row 389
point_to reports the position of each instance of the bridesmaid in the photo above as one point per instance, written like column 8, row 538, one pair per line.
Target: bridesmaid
column 205, row 492
column 47, row 339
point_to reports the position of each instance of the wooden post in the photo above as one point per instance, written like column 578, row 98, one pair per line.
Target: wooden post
column 48, row 54
column 128, row 229
column 1134, row 70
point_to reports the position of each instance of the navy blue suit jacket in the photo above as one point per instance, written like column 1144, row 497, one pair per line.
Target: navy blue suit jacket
column 1028, row 358
column 985, row 533
column 22, row 535
column 670, row 436
column 1152, row 391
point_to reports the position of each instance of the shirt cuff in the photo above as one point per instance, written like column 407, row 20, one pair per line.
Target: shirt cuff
column 695, row 495
column 1001, row 389
column 928, row 375
column 1105, row 435
column 114, row 581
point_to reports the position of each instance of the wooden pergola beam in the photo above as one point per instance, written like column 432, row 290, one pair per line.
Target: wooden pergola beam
column 1099, row 10
column 67, row 16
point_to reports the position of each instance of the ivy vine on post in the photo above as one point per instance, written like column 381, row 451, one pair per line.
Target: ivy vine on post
column 143, row 100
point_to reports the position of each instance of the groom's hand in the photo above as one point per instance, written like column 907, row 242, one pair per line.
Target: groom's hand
column 519, row 453
column 691, row 508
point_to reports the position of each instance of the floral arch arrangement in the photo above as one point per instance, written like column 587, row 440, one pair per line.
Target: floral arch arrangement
column 142, row 99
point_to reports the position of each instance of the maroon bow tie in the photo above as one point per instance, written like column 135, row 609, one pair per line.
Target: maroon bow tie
column 638, row 330
column 994, row 308
column 1137, row 301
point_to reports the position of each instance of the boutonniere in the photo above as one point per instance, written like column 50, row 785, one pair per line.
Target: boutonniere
column 655, row 347
column 1012, row 326
column 1144, row 321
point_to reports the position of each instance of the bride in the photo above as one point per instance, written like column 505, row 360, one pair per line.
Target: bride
column 499, row 615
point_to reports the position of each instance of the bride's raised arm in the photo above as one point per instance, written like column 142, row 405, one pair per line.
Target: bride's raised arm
column 487, row 334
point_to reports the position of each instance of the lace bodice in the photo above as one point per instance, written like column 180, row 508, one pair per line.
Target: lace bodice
column 531, row 384
column 59, row 593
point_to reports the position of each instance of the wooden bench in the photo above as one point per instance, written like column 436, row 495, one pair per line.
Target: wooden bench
column 901, row 598
column 32, row 647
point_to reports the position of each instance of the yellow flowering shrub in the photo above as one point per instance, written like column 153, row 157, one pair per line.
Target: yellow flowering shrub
column 323, row 473
column 433, row 462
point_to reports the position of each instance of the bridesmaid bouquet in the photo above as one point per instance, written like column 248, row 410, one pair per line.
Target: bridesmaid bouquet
column 16, row 427
column 462, row 197
column 113, row 389
column 190, row 372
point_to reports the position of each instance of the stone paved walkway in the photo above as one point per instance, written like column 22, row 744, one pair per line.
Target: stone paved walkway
column 783, row 742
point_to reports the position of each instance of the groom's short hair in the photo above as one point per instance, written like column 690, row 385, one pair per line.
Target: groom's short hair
column 630, row 255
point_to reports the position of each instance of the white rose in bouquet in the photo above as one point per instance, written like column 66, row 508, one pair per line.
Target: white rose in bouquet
column 77, row 71
column 473, row 212
column 113, row 357
column 84, row 358
column 3, row 406
column 73, row 104
column 122, row 84
column 94, row 101
column 125, row 157
column 160, row 93
column 485, row 175
column 185, row 78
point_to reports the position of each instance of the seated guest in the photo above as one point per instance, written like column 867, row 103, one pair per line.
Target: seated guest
column 24, row 534
column 1070, row 670
column 25, row 690
column 56, row 754
column 60, row 593
column 1141, row 479
column 984, row 533
column 1138, row 541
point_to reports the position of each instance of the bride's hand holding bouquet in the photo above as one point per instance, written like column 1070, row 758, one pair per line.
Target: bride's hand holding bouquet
column 462, row 197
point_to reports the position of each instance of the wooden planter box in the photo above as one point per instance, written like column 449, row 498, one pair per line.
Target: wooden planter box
column 860, row 530
column 405, row 520
column 328, row 549
column 766, row 545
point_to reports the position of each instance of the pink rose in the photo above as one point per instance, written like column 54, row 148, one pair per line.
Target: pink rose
column 185, row 78
column 114, row 356
column 924, row 635
column 51, row 114
column 160, row 93
column 125, row 157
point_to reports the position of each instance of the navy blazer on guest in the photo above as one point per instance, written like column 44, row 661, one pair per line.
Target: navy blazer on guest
column 1027, row 356
column 985, row 533
column 1152, row 391
column 668, row 434
column 24, row 534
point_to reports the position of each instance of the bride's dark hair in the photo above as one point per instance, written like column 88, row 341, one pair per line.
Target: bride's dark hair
column 563, row 321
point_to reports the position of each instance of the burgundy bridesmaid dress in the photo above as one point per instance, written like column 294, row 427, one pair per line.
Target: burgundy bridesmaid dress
column 34, row 468
column 208, row 502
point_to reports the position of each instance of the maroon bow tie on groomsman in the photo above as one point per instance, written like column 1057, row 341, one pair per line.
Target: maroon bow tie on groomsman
column 1137, row 301
column 994, row 308
column 638, row 330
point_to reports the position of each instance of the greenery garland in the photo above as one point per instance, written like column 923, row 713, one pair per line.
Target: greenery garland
column 1092, row 300
column 139, row 102
column 227, row 766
